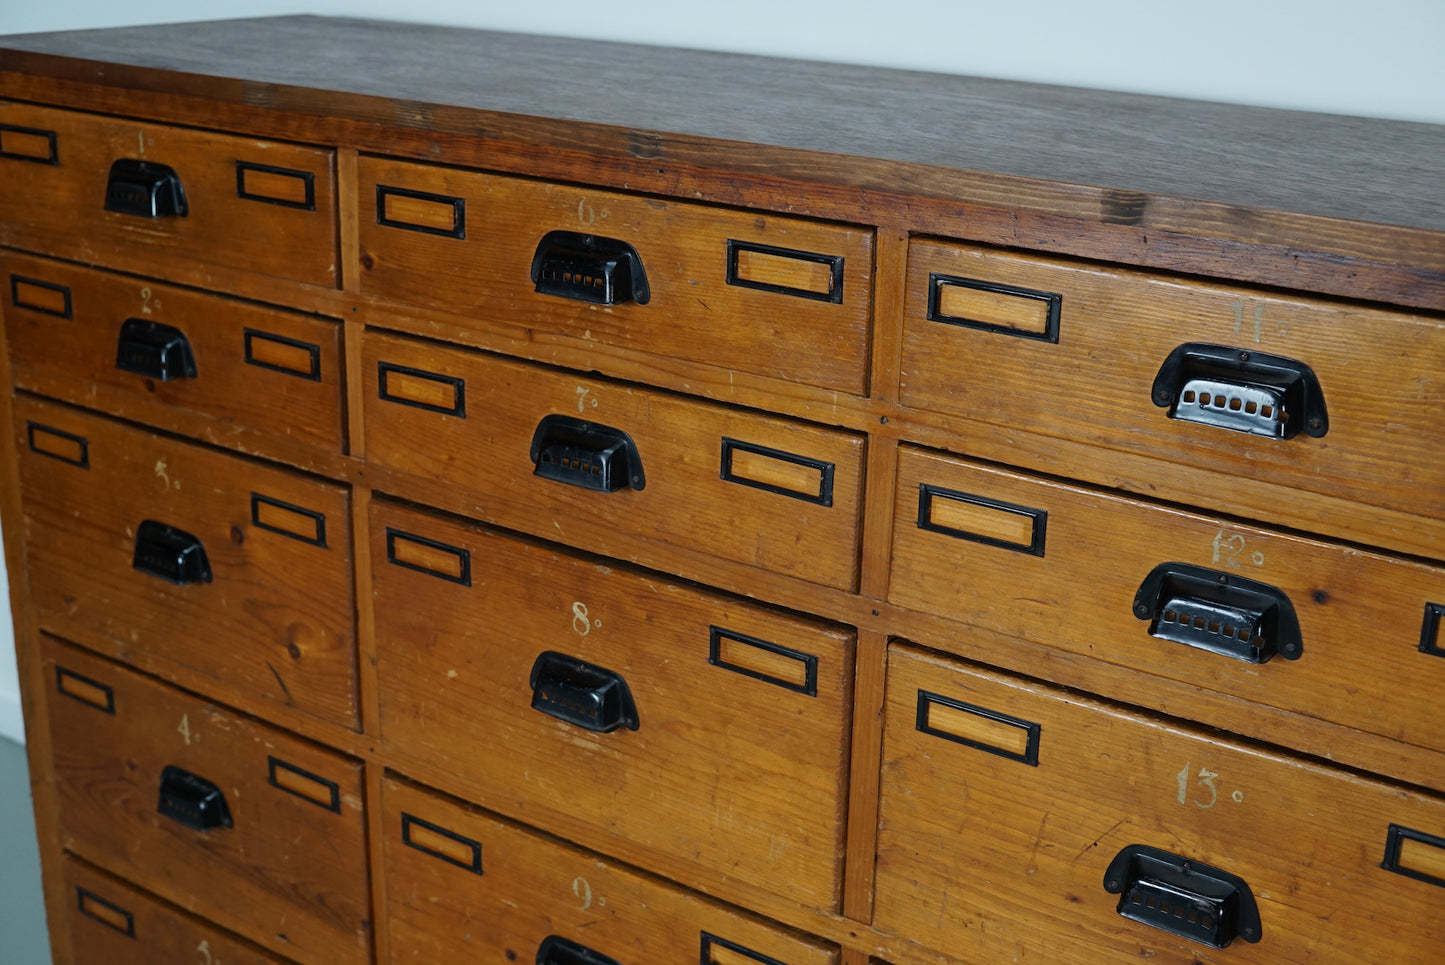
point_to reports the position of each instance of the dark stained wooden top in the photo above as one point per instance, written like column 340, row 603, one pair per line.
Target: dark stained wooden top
column 884, row 135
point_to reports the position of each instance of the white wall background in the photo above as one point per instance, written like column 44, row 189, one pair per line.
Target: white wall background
column 1385, row 58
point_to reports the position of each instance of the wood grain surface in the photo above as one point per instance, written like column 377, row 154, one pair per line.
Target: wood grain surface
column 984, row 857
column 1347, row 205
column 289, row 873
column 751, row 789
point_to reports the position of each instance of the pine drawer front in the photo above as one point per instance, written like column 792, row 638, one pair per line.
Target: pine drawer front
column 256, row 830
column 117, row 924
column 1006, row 808
column 464, row 886
column 775, row 296
column 180, row 359
column 1091, row 376
column 592, row 692
column 1309, row 627
column 742, row 486
column 232, row 576
column 99, row 189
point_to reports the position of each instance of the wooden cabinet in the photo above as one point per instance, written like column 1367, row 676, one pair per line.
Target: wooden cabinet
column 464, row 507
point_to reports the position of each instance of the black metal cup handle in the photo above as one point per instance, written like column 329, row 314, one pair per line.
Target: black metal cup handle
column 586, row 454
column 1243, row 390
column 160, row 352
column 1182, row 897
column 144, row 189
column 589, row 268
column 1219, row 612
column 580, row 693
column 192, row 800
column 556, row 950
column 171, row 554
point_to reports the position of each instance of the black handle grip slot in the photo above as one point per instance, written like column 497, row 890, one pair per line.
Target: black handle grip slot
column 148, row 348
column 556, row 950
column 171, row 554
column 192, row 800
column 1182, row 897
column 587, row 268
column 144, row 189
column 1228, row 615
column 585, row 454
column 1263, row 395
column 580, row 693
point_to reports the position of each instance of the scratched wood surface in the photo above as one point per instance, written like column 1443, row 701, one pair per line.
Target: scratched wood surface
column 457, row 663
column 1378, row 374
column 986, row 857
column 116, row 923
column 264, row 380
column 464, row 885
column 484, row 457
column 1096, row 552
column 902, row 173
column 233, row 218
column 1345, row 205
column 290, row 871
column 276, row 622
column 815, row 333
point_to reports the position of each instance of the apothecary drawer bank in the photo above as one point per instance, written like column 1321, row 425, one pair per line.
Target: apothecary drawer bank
column 484, row 497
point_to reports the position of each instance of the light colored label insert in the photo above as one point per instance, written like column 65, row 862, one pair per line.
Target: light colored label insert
column 994, row 308
column 747, row 656
column 767, row 268
column 779, row 473
column 987, row 521
column 978, row 729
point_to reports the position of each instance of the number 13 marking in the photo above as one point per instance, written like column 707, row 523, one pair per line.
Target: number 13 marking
column 1205, row 779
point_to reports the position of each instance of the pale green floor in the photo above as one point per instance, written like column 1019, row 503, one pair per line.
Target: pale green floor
column 23, row 940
